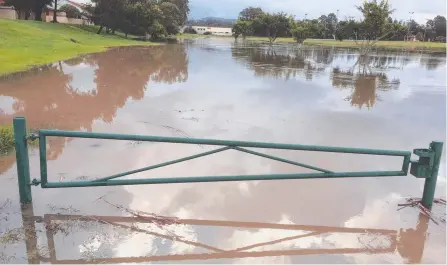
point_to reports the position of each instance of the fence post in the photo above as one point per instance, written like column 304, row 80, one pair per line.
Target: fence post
column 23, row 174
column 430, row 183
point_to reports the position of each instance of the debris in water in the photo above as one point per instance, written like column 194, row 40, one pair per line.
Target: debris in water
column 416, row 202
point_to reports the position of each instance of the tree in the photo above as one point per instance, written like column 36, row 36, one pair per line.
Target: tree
column 71, row 11
column 375, row 18
column 440, row 26
column 22, row 7
column 190, row 30
column 172, row 17
column 300, row 33
column 273, row 25
column 250, row 13
column 243, row 28
column 38, row 6
column 55, row 12
column 183, row 7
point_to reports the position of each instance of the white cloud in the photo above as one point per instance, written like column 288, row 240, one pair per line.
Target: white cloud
column 231, row 8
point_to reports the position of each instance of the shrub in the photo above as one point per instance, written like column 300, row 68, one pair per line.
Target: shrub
column 190, row 30
column 207, row 33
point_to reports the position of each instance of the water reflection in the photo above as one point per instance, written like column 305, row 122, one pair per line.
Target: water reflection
column 365, row 76
column 408, row 243
column 71, row 95
column 363, row 81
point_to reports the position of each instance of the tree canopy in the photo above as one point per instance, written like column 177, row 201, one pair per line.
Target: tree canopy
column 71, row 11
column 154, row 18
column 376, row 24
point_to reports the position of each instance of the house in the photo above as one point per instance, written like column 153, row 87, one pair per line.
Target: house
column 8, row 12
column 213, row 30
column 410, row 37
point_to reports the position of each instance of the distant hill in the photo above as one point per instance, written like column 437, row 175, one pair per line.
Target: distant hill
column 212, row 22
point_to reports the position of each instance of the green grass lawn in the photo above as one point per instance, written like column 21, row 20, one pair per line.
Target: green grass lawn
column 24, row 44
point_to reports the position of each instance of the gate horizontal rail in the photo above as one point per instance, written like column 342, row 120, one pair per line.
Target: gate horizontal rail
column 148, row 138
column 426, row 167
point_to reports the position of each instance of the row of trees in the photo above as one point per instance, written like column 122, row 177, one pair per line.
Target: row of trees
column 24, row 8
column 376, row 24
column 150, row 18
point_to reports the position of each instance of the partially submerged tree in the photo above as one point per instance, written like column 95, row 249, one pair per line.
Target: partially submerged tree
column 242, row 28
column 274, row 25
column 375, row 18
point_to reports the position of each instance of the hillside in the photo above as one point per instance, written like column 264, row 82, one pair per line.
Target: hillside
column 24, row 44
column 212, row 22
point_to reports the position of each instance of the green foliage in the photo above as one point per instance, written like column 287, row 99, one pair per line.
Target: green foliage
column 250, row 13
column 300, row 33
column 157, row 31
column 242, row 28
column 6, row 139
column 189, row 30
column 439, row 23
column 207, row 33
column 22, row 7
column 71, row 11
column 7, row 142
column 375, row 18
column 273, row 25
column 140, row 17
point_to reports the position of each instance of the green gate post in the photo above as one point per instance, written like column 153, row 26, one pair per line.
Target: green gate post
column 430, row 183
column 22, row 160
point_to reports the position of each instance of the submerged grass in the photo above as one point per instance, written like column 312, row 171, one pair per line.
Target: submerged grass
column 7, row 142
column 410, row 45
column 25, row 44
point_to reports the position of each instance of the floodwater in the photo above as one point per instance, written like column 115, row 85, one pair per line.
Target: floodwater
column 214, row 88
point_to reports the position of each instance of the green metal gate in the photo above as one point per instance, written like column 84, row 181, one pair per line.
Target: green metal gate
column 426, row 166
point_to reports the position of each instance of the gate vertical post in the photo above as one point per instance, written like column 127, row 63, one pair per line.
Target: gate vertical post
column 21, row 145
column 430, row 183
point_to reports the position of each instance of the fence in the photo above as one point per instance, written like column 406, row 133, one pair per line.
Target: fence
column 426, row 167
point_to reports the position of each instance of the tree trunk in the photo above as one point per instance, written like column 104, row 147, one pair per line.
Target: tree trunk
column 100, row 28
column 126, row 35
column 55, row 12
column 38, row 15
column 27, row 14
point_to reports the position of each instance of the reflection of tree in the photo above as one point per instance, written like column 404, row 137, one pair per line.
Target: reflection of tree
column 363, row 81
column 431, row 62
column 48, row 100
column 282, row 64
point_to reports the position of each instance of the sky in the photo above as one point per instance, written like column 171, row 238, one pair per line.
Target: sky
column 423, row 10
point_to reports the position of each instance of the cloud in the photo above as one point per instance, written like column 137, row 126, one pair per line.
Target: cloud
column 231, row 8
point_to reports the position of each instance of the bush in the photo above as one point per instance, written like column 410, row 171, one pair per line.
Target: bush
column 190, row 30
column 207, row 33
column 6, row 139
column 7, row 142
column 72, row 12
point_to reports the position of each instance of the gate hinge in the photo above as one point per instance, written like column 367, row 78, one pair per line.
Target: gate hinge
column 423, row 167
column 33, row 136
column 35, row 182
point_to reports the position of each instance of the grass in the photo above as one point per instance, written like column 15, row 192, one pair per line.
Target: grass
column 25, row 44
column 7, row 142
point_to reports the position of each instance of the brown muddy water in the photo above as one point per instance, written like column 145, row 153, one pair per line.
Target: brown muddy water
column 214, row 88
